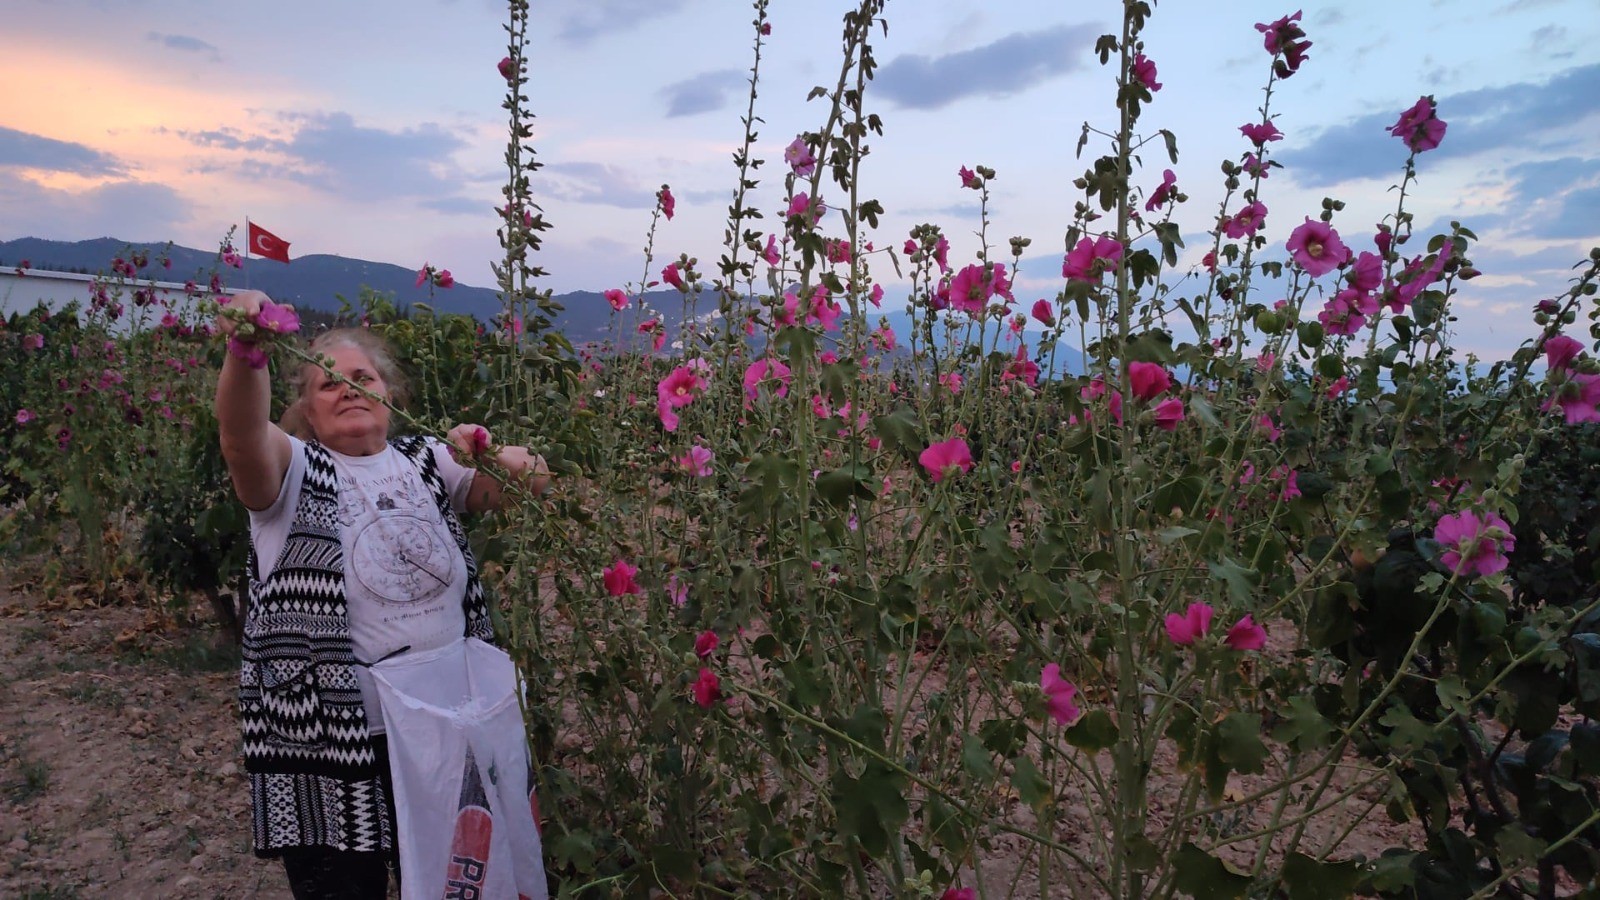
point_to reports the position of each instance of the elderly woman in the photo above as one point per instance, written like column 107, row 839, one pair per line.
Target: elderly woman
column 358, row 554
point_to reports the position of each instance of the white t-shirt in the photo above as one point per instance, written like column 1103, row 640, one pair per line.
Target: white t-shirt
column 404, row 575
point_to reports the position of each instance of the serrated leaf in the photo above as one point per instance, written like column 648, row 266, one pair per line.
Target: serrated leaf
column 1030, row 784
column 1204, row 877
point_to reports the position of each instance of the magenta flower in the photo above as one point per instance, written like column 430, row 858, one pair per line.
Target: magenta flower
column 1260, row 133
column 1169, row 413
column 617, row 299
column 670, row 276
column 507, row 68
column 971, row 288
column 1148, row 380
column 1144, row 72
column 1246, row 635
column 1579, row 399
column 761, row 373
column 1191, row 626
column 1560, row 351
column 680, row 387
column 24, row 416
column 1342, row 314
column 253, row 355
column 1316, row 247
column 677, row 591
column 959, row 894
column 798, row 156
column 1246, row 221
column 1058, row 694
column 706, row 643
column 480, row 441
column 802, row 205
column 619, row 579
column 876, row 295
column 946, row 458
column 770, row 253
column 277, row 318
column 1474, row 545
column 1420, row 126
column 1255, row 168
column 707, row 689
column 1089, row 260
column 1283, row 38
column 1022, row 369
column 1367, row 272
column 970, row 179
column 1163, row 191
column 669, row 204
column 1044, row 313
column 1339, row 386
column 32, row 341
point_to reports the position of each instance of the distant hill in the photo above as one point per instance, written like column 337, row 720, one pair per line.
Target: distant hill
column 318, row 281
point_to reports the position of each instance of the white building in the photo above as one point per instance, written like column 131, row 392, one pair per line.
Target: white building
column 21, row 290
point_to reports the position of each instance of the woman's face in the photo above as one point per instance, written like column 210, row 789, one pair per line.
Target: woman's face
column 344, row 419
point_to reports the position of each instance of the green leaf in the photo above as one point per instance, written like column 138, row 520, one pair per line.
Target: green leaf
column 1308, row 879
column 1094, row 731
column 1030, row 784
column 872, row 807
column 1392, row 872
column 976, row 758
column 1516, row 848
column 1239, row 743
column 1172, row 535
column 1304, row 728
column 840, row 485
column 898, row 430
column 1204, row 877
column 1240, row 581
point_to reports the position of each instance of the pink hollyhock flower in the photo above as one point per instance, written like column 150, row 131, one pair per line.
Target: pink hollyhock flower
column 1044, row 313
column 669, row 203
column 619, row 579
column 1246, row 635
column 1022, row 369
column 1339, row 386
column 770, row 253
column 1266, row 361
column 1420, row 126
column 798, row 156
column 706, row 643
column 1269, row 429
column 1058, row 695
column 1209, row 260
column 1342, row 314
column 1246, row 221
column 63, row 438
column 32, row 341
column 1144, row 72
column 24, row 416
column 971, row 289
column 480, row 441
column 1148, row 380
column 1473, row 544
column 951, row 381
column 1560, row 351
column 1169, row 413
column 1367, row 272
column 1090, row 258
column 1191, row 626
column 444, row 279
column 617, row 299
column 1291, row 483
column 970, row 179
column 677, row 591
column 941, row 253
column 1260, row 133
column 680, row 387
column 1283, row 37
column 508, row 69
column 670, row 276
column 884, row 338
column 802, row 205
column 1315, row 245
column 761, row 372
column 424, row 274
column 824, row 311
column 277, row 318
column 1579, row 399
column 253, row 355
column 707, row 689
column 959, row 894
column 875, row 297
column 1254, row 167
column 837, row 251
column 946, row 458
column 1163, row 191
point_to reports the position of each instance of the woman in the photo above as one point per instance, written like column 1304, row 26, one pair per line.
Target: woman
column 357, row 555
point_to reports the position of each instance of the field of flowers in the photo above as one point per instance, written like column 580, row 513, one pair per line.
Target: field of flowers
column 816, row 608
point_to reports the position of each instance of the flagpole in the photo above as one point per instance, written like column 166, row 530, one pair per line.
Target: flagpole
column 247, row 253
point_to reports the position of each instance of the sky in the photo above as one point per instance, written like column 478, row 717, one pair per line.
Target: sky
column 374, row 130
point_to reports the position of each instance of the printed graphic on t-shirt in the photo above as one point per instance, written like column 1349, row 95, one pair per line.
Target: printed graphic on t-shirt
column 399, row 553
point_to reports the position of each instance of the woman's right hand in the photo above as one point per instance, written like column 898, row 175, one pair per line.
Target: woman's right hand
column 242, row 306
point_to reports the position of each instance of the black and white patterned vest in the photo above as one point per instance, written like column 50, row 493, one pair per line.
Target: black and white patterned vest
column 314, row 777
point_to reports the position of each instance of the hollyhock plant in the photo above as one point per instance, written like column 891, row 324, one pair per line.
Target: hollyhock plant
column 970, row 179
column 1560, row 351
column 769, row 254
column 1366, row 273
column 278, row 318
column 946, row 458
column 1191, row 626
column 1316, row 247
column 1246, row 221
column 971, row 288
column 1168, row 413
column 959, row 894
column 798, row 156
column 1283, row 38
column 32, row 341
column 617, row 298
column 1044, row 313
column 1579, row 399
column 669, row 203
column 1246, row 635
column 764, row 372
column 1058, row 695
column 24, row 416
column 507, row 68
column 1144, row 72
column 802, row 205
column 619, row 579
column 707, row 689
column 1148, row 380
column 1090, row 258
column 1163, row 192
column 1474, row 545
column 1420, row 126
column 1260, row 133
column 706, row 643
column 670, row 276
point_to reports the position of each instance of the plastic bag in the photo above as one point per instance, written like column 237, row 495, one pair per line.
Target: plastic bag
column 463, row 790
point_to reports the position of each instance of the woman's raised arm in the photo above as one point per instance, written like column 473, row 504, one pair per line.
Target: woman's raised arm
column 256, row 450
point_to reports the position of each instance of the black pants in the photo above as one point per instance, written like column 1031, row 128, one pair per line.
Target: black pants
column 323, row 873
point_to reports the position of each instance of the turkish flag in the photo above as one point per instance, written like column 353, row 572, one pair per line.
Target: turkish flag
column 267, row 245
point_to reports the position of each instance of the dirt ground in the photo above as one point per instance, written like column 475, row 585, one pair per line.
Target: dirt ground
column 119, row 767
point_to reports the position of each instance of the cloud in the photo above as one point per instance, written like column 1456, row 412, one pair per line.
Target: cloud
column 358, row 162
column 705, row 92
column 131, row 210
column 185, row 43
column 581, row 21
column 1007, row 66
column 1574, row 218
column 33, row 151
column 229, row 139
column 582, row 182
column 1508, row 116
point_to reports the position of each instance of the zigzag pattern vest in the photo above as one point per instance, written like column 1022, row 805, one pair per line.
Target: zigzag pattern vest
column 314, row 774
